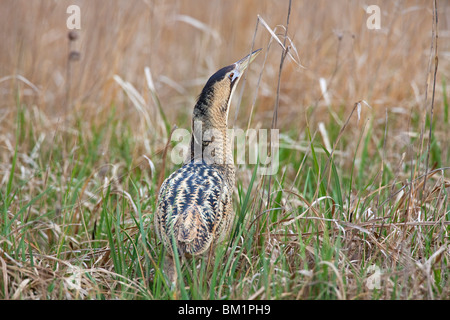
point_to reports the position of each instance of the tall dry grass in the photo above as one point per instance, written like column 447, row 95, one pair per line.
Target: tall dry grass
column 387, row 68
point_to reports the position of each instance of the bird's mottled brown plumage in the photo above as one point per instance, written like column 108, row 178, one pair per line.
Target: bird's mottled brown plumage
column 196, row 207
column 194, row 211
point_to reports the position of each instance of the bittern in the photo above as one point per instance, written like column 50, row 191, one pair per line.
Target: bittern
column 194, row 211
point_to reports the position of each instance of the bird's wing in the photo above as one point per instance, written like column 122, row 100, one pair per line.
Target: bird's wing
column 191, row 207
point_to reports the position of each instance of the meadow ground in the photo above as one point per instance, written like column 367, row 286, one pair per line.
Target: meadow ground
column 359, row 205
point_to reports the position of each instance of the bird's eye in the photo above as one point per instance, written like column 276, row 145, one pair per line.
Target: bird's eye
column 231, row 75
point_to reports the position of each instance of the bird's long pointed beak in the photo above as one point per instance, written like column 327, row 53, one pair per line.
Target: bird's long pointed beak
column 242, row 64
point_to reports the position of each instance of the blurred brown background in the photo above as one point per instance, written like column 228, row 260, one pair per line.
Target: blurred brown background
column 184, row 42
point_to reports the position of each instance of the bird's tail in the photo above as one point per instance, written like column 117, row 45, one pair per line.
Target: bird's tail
column 191, row 232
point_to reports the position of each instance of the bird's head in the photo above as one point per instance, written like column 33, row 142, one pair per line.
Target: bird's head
column 214, row 102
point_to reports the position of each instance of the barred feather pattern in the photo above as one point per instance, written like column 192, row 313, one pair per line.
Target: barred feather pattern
column 194, row 208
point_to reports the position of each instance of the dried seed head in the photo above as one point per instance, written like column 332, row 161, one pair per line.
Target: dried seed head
column 73, row 35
